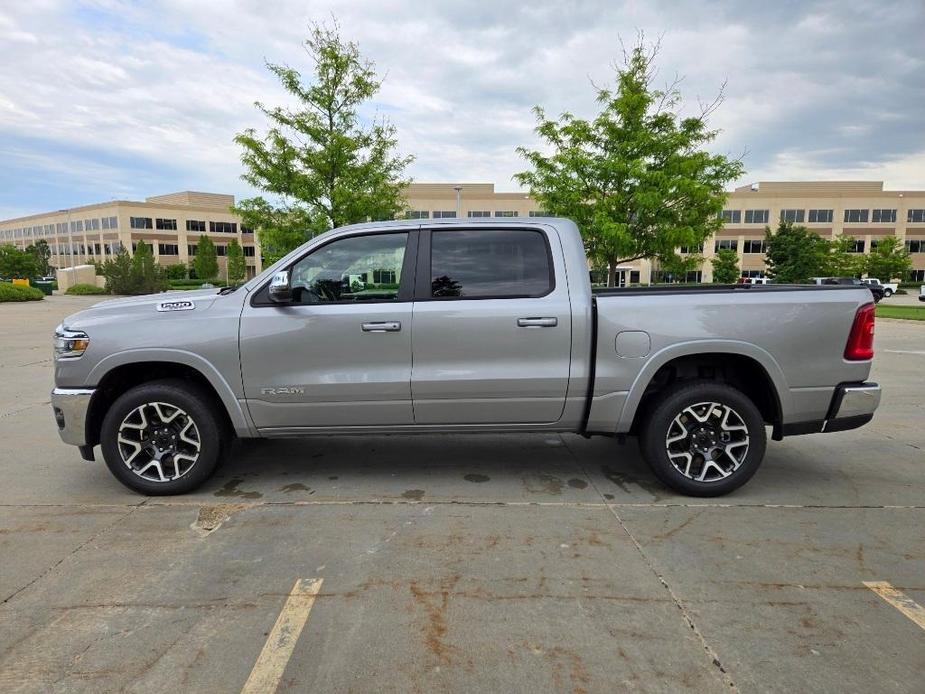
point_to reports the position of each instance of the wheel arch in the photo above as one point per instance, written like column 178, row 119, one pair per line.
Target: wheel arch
column 744, row 365
column 119, row 372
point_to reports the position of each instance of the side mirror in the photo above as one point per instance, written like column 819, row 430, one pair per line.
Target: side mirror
column 280, row 291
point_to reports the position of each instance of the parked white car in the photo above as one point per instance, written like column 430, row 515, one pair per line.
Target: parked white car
column 889, row 288
column 922, row 293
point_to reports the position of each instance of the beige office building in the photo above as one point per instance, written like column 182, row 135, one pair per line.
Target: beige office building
column 170, row 224
column 861, row 209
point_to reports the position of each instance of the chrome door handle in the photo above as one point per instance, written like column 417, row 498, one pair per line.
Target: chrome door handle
column 391, row 326
column 537, row 322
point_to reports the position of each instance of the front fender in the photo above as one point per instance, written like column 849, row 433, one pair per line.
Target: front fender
column 240, row 420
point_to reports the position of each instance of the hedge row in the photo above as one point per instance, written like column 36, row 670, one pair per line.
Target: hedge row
column 16, row 292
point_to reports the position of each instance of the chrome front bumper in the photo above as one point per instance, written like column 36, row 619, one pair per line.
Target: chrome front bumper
column 70, row 406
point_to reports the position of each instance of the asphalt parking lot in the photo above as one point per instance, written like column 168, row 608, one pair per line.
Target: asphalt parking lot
column 461, row 563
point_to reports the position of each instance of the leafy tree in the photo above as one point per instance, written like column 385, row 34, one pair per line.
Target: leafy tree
column 322, row 166
column 15, row 263
column 206, row 262
column 794, row 253
column 42, row 254
column 175, row 272
column 888, row 259
column 636, row 179
column 235, row 262
column 725, row 266
column 149, row 276
column 674, row 267
column 119, row 274
column 842, row 261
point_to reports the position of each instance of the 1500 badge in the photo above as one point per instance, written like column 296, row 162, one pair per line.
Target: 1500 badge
column 184, row 305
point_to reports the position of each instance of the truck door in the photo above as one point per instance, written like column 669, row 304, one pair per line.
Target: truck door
column 491, row 326
column 340, row 353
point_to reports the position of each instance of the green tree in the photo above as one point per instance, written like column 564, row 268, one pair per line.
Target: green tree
column 321, row 164
column 636, row 179
column 206, row 262
column 674, row 267
column 175, row 272
column 888, row 260
column 842, row 261
column 148, row 276
column 234, row 257
column 119, row 274
column 795, row 254
column 15, row 263
column 42, row 254
column 725, row 266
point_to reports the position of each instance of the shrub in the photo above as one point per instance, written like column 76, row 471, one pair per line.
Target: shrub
column 13, row 292
column 175, row 272
column 134, row 275
column 85, row 289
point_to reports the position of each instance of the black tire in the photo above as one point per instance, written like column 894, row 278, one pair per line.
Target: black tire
column 660, row 423
column 887, row 293
column 196, row 405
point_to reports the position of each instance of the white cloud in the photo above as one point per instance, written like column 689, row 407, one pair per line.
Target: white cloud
column 152, row 94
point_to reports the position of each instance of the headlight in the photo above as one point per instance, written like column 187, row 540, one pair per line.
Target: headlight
column 70, row 344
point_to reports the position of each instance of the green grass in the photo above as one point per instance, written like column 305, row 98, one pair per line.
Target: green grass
column 14, row 292
column 905, row 312
column 85, row 289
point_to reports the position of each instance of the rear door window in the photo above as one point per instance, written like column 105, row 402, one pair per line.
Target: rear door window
column 489, row 263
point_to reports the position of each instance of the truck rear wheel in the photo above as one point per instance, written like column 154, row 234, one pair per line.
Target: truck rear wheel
column 162, row 438
column 704, row 438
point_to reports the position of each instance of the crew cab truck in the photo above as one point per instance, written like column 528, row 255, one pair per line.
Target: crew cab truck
column 461, row 326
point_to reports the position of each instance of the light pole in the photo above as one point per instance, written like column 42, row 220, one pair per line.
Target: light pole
column 458, row 190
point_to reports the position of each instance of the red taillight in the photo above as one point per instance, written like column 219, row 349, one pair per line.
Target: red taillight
column 860, row 345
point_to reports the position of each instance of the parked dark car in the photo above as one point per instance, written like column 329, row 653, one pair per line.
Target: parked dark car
column 875, row 289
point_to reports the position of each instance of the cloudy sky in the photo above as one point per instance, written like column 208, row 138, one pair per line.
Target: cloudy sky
column 106, row 99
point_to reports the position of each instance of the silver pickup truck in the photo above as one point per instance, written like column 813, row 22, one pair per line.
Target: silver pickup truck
column 461, row 325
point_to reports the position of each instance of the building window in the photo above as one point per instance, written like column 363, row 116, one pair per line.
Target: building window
column 479, row 213
column 752, row 273
column 915, row 216
column 634, row 276
column 166, row 224
column 857, row 247
column 754, row 246
column 856, row 215
column 694, row 276
column 224, row 227
column 105, row 222
column 731, row 216
column 884, row 216
column 505, row 213
column 915, row 245
column 77, row 226
column 110, row 223
column 195, row 225
column 539, row 213
column 168, row 249
column 93, row 225
column 191, row 249
column 792, row 216
column 756, row 216
column 417, row 214
column 917, row 276
column 220, row 250
column 725, row 244
column 140, row 223
column 691, row 249
column 820, row 216
column 248, row 251
column 246, row 230
column 444, row 214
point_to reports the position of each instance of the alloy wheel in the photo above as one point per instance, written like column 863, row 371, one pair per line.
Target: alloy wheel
column 707, row 442
column 159, row 442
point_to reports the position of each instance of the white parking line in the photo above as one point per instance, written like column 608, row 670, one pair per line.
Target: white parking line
column 905, row 351
column 899, row 600
column 268, row 670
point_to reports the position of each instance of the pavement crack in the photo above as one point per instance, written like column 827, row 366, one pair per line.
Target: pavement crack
column 688, row 617
column 74, row 551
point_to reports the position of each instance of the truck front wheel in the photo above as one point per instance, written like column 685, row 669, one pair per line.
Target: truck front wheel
column 162, row 438
column 704, row 438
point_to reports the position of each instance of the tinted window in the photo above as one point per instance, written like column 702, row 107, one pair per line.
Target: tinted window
column 358, row 268
column 489, row 263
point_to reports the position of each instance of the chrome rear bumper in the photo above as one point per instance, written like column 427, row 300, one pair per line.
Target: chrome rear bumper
column 70, row 407
column 854, row 401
